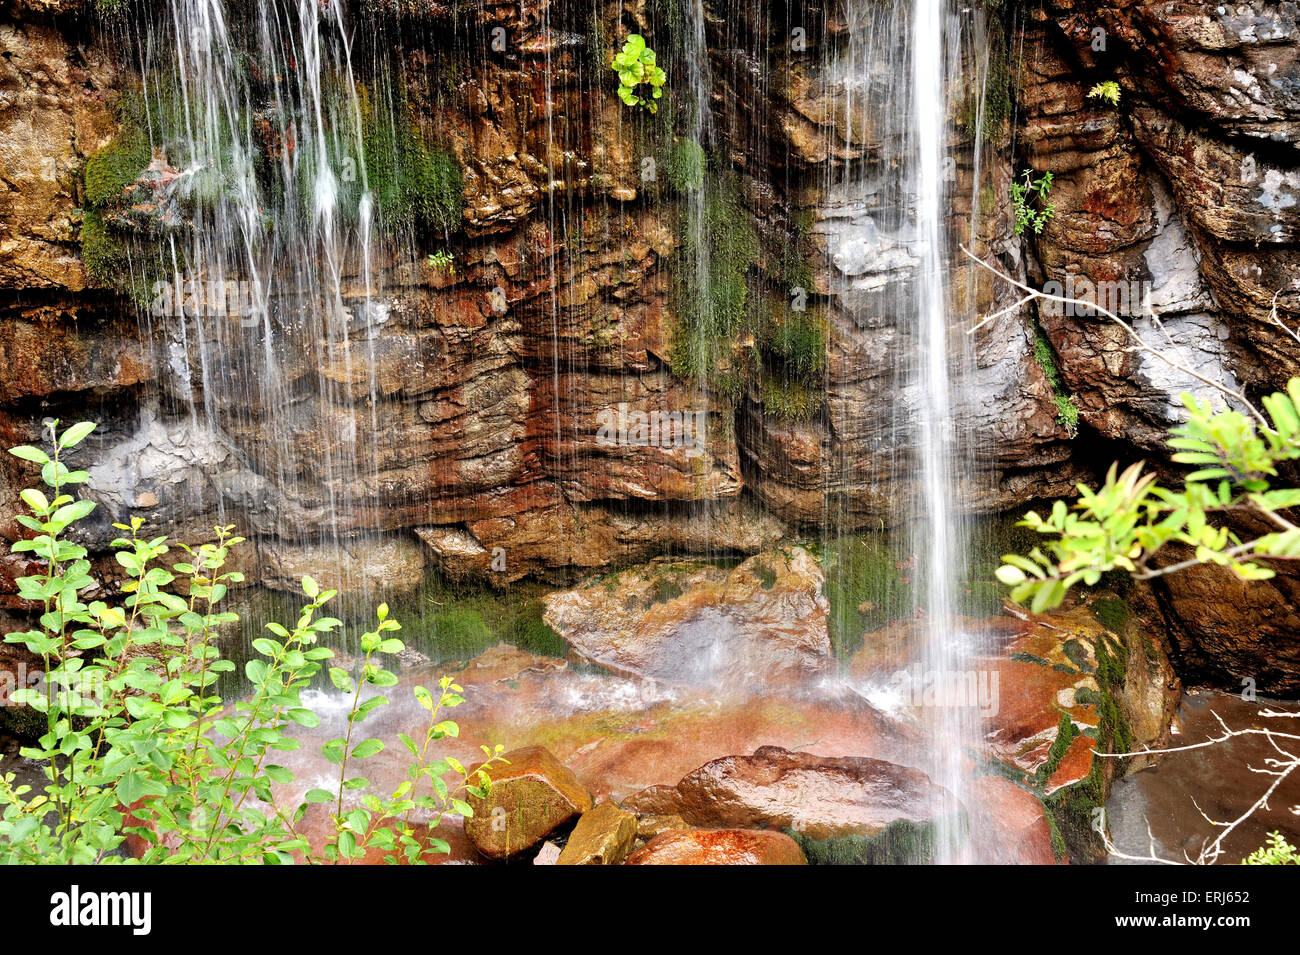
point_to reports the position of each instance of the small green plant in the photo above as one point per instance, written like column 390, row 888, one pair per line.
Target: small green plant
column 640, row 81
column 1028, row 202
column 1107, row 92
column 444, row 261
column 136, row 741
column 1277, row 852
column 1124, row 524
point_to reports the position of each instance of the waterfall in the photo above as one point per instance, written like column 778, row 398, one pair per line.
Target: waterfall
column 272, row 286
column 887, row 218
column 938, row 534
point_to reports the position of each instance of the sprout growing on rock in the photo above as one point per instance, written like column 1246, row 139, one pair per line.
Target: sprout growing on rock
column 635, row 66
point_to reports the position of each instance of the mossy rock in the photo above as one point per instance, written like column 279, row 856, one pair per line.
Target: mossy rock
column 532, row 794
column 111, row 171
column 902, row 842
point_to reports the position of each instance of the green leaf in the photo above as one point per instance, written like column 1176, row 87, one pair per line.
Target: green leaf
column 367, row 748
column 1010, row 575
column 76, row 434
column 341, row 680
column 134, row 786
column 28, row 453
column 304, row 717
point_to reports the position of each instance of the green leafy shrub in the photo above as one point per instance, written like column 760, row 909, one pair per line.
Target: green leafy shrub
column 135, row 740
column 1124, row 524
column 443, row 261
column 1277, row 852
column 640, row 81
column 1028, row 202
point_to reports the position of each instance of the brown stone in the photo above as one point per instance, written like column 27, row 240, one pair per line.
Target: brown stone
column 821, row 797
column 531, row 795
column 700, row 624
column 603, row 836
column 650, row 825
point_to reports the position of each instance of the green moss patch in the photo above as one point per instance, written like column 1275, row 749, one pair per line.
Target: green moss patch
column 416, row 184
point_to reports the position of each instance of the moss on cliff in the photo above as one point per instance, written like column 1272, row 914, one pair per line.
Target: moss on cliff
column 115, row 168
column 902, row 842
column 107, row 178
column 686, row 165
column 787, row 399
column 864, row 588
column 710, row 306
column 1072, row 810
column 415, row 184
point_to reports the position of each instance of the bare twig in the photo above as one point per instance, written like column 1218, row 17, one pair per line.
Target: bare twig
column 1138, row 343
column 1212, row 851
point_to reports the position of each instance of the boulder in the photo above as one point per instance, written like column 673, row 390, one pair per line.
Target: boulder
column 821, row 797
column 1009, row 825
column 719, row 847
column 532, row 794
column 702, row 625
column 603, row 836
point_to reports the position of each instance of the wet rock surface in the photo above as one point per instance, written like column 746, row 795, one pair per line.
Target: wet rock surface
column 719, row 847
column 531, row 794
column 603, row 836
column 1165, row 801
column 702, row 625
column 463, row 408
column 817, row 796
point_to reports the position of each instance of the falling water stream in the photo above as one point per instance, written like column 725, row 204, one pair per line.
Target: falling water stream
column 939, row 541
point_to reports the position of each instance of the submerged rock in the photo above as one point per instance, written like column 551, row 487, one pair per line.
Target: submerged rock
column 603, row 836
column 702, row 625
column 532, row 794
column 719, row 847
column 821, row 797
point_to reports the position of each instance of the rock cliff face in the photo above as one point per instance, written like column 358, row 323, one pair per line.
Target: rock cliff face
column 1187, row 191
column 463, row 428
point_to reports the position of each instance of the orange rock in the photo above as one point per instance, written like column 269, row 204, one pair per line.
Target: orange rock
column 1008, row 824
column 719, row 847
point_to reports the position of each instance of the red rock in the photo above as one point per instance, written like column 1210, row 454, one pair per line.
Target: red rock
column 1008, row 825
column 719, row 847
column 821, row 797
